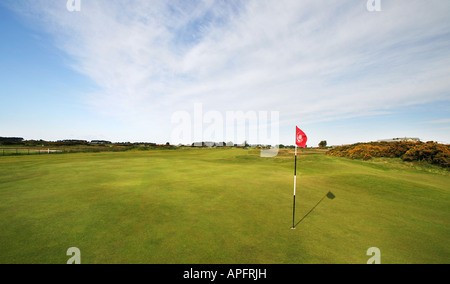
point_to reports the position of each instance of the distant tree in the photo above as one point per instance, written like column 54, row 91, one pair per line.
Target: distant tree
column 167, row 144
column 323, row 144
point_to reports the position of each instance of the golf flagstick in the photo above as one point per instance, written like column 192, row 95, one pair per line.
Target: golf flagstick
column 295, row 185
column 300, row 141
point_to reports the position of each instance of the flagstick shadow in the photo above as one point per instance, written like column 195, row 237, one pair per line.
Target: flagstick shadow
column 330, row 195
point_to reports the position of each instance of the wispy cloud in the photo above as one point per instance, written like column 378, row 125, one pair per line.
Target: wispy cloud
column 439, row 121
column 314, row 60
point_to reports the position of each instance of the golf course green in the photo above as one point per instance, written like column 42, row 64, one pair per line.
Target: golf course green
column 201, row 206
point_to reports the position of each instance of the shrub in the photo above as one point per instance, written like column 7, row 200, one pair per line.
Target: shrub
column 431, row 152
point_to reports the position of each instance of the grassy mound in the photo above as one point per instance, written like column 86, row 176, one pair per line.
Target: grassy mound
column 220, row 206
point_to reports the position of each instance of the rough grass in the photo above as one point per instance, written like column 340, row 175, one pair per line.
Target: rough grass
column 220, row 206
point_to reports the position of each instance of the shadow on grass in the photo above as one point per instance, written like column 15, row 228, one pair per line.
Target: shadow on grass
column 329, row 195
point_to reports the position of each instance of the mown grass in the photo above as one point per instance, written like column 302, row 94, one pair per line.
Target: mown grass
column 220, row 206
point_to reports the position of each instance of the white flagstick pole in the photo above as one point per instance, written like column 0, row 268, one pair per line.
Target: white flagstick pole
column 295, row 184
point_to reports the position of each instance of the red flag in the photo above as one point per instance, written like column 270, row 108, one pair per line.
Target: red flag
column 301, row 138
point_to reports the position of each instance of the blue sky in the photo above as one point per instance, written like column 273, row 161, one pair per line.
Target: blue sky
column 119, row 72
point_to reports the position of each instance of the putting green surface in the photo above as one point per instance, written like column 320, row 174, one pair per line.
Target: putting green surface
column 220, row 206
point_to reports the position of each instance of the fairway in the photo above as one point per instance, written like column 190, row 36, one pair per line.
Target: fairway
column 218, row 206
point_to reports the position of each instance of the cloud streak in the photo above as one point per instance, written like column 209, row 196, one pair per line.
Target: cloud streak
column 310, row 60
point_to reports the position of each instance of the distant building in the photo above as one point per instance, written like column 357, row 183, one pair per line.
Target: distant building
column 208, row 144
column 11, row 139
column 74, row 141
column 100, row 142
column 405, row 139
column 147, row 144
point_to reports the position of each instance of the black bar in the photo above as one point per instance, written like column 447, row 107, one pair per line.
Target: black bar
column 295, row 170
column 293, row 216
column 182, row 273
